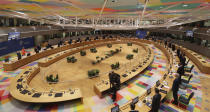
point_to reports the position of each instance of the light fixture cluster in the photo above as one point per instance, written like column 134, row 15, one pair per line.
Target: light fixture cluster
column 114, row 0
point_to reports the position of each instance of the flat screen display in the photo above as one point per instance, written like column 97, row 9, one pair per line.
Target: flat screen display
column 157, row 83
column 115, row 109
column 13, row 35
column 148, row 91
column 135, row 100
column 189, row 33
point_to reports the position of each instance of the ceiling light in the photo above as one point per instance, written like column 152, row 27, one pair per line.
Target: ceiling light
column 184, row 5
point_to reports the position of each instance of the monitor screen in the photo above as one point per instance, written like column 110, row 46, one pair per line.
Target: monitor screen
column 13, row 35
column 133, row 111
column 115, row 109
column 157, row 83
column 189, row 33
column 148, row 91
column 164, row 77
column 135, row 100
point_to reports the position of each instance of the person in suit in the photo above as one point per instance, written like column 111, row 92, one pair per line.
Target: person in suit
column 87, row 38
column 183, row 59
column 60, row 43
column 180, row 70
column 78, row 40
column 165, row 43
column 156, row 101
column 132, row 106
column 70, row 41
column 175, row 88
column 38, row 47
column 173, row 47
column 114, row 92
column 49, row 46
column 111, row 79
column 36, row 50
column 18, row 55
column 178, row 52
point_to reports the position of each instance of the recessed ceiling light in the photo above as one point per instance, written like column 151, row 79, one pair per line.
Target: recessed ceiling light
column 185, row 5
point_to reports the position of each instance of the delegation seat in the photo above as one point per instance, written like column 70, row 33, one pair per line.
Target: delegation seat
column 184, row 100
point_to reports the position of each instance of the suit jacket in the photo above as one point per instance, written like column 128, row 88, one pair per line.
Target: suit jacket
column 156, row 101
column 180, row 70
column 175, row 86
column 19, row 55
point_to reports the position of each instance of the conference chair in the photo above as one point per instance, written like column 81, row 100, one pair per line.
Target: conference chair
column 185, row 99
column 187, row 81
column 189, row 69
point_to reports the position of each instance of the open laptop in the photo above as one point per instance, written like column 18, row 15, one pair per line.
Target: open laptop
column 148, row 91
column 135, row 100
column 115, row 109
column 157, row 83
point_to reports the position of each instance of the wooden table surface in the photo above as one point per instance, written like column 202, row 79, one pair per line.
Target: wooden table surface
column 71, row 94
column 77, row 95
column 142, row 107
column 12, row 65
column 201, row 63
column 102, row 86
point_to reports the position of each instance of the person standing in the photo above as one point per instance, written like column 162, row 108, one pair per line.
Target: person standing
column 18, row 55
column 180, row 70
column 156, row 101
column 175, row 88
column 114, row 92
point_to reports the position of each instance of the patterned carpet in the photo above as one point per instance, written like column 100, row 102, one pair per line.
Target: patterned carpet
column 136, row 87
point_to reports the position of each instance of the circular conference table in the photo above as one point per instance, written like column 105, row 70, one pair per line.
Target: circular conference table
column 20, row 89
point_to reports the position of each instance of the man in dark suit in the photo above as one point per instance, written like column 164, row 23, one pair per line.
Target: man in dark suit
column 114, row 92
column 60, row 43
column 178, row 52
column 114, row 79
column 173, row 47
column 70, row 41
column 175, row 88
column 165, row 43
column 49, row 46
column 156, row 101
column 180, row 70
column 183, row 60
column 38, row 47
column 19, row 55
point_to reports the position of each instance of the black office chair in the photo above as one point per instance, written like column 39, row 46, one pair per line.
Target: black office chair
column 184, row 99
column 187, row 81
column 189, row 69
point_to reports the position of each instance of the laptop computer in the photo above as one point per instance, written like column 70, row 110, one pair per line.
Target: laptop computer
column 135, row 100
column 115, row 109
column 157, row 83
column 148, row 91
